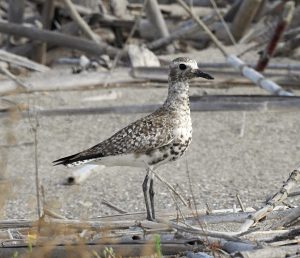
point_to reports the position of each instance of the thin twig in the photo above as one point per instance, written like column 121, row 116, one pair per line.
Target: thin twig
column 240, row 203
column 19, row 82
column 81, row 22
column 113, row 206
column 281, row 195
column 204, row 27
column 34, row 124
column 213, row 3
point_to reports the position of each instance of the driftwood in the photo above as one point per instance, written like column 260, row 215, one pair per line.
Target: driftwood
column 47, row 16
column 59, row 39
column 281, row 195
column 130, row 238
column 52, row 82
column 16, row 11
column 283, row 251
column 156, row 18
column 80, row 21
column 198, row 104
column 243, row 18
column 21, row 61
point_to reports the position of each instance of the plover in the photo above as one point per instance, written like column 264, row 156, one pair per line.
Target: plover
column 152, row 140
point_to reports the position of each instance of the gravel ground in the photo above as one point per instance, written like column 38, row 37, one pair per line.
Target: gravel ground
column 221, row 162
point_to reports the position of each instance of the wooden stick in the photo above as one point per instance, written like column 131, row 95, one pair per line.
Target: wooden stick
column 81, row 22
column 21, row 86
column 133, row 249
column 21, row 61
column 271, row 252
column 278, row 32
column 164, row 41
column 47, row 16
column 244, row 17
column 58, row 39
column 281, row 195
column 198, row 104
column 156, row 18
column 113, row 206
column 290, row 218
column 16, row 11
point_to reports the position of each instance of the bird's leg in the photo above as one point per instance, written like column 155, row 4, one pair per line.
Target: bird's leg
column 151, row 195
column 145, row 190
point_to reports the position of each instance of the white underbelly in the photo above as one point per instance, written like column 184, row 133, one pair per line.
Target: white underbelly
column 131, row 160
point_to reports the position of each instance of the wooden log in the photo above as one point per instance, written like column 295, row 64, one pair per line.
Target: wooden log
column 164, row 41
column 87, row 250
column 47, row 16
column 289, row 219
column 130, row 219
column 156, row 18
column 198, row 104
column 21, row 61
column 84, row 10
column 278, row 32
column 244, row 17
column 230, row 15
column 15, row 15
column 174, row 11
column 58, row 39
column 54, row 82
column 16, row 11
column 81, row 22
column 270, row 252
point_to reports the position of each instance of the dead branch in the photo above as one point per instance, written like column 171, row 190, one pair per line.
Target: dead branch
column 59, row 39
column 113, row 206
column 293, row 216
column 47, row 16
column 281, row 195
column 271, row 252
column 157, row 20
column 81, row 22
column 21, row 61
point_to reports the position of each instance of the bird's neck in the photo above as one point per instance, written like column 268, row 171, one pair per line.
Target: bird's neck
column 178, row 96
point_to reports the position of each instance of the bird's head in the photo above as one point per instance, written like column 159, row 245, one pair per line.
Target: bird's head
column 184, row 69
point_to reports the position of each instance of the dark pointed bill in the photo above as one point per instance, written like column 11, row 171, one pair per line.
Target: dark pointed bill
column 199, row 73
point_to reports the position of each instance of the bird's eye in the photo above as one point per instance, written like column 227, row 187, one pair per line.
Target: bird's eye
column 182, row 66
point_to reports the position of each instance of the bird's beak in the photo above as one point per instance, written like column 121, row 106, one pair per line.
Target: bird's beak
column 199, row 73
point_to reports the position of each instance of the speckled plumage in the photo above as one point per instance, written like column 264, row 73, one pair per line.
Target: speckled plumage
column 157, row 138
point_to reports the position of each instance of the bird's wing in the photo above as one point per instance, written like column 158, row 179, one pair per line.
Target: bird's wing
column 145, row 134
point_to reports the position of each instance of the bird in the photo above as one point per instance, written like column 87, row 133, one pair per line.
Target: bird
column 158, row 138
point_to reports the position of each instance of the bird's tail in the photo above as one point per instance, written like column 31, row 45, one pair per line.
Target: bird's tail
column 70, row 161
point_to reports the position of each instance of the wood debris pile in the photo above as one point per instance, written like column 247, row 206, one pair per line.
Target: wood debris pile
column 269, row 231
column 99, row 36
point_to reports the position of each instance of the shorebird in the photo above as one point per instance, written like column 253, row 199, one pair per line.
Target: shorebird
column 153, row 140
